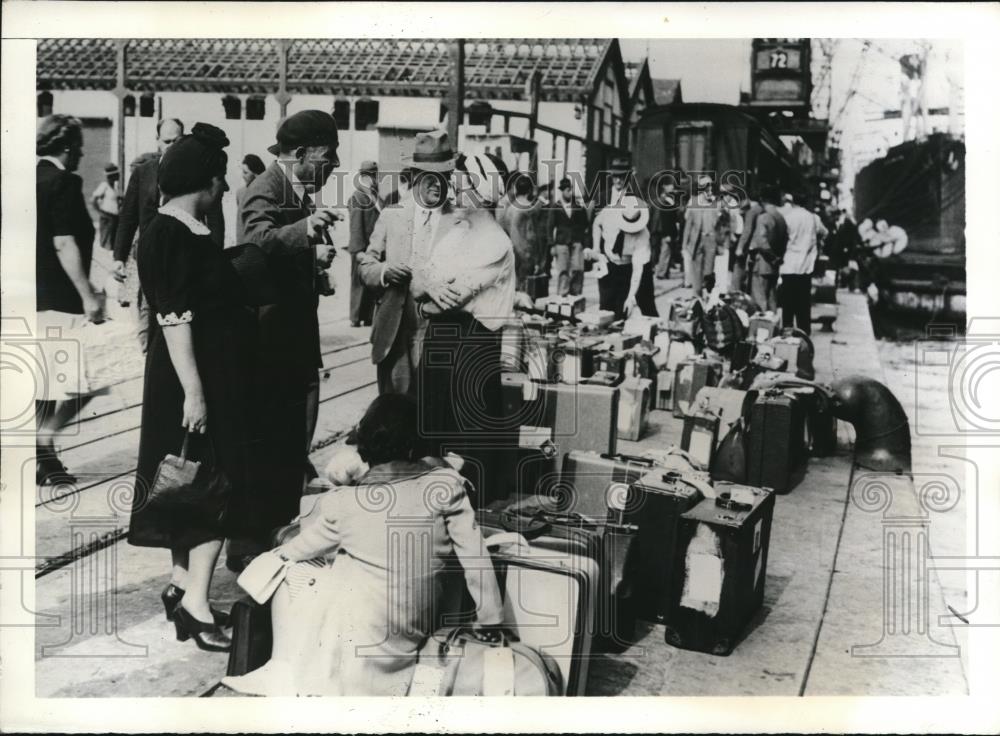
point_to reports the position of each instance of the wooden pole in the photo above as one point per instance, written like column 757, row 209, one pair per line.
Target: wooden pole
column 456, row 91
column 120, row 93
column 282, row 95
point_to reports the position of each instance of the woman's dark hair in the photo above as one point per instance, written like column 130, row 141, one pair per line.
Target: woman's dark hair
column 193, row 160
column 252, row 161
column 388, row 431
column 55, row 133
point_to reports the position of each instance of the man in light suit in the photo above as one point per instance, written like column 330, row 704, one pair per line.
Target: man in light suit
column 699, row 241
column 363, row 207
column 403, row 235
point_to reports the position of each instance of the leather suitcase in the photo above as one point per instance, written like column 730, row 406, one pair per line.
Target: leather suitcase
column 596, row 485
column 763, row 326
column 633, row 407
column 682, row 316
column 604, row 378
column 617, row 342
column 824, row 293
column 519, row 402
column 537, row 286
column 690, row 377
column 700, row 436
column 540, row 356
column 252, row 639
column 776, row 453
column 550, row 600
column 720, row 569
column 729, row 403
column 659, row 497
column 821, row 423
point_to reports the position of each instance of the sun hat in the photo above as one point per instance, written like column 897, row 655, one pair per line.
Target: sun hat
column 633, row 215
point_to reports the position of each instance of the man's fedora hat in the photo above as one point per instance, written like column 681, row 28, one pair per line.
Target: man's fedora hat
column 306, row 128
column 633, row 215
column 431, row 152
column 620, row 165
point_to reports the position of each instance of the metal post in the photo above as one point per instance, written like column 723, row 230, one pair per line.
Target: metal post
column 456, row 91
column 120, row 93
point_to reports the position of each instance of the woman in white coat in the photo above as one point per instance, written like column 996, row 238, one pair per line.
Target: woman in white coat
column 364, row 576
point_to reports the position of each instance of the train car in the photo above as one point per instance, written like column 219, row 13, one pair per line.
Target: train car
column 689, row 139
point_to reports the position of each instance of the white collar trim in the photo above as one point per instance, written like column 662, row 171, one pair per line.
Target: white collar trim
column 196, row 227
column 54, row 161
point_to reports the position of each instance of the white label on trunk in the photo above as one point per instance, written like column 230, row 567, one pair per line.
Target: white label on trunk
column 701, row 447
column 703, row 573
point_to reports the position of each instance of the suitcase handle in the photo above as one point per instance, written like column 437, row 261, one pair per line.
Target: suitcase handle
column 629, row 459
column 724, row 500
column 522, row 525
column 506, row 538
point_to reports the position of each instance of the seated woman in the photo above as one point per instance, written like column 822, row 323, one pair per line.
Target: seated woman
column 360, row 593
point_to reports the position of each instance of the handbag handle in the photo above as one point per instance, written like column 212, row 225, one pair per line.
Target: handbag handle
column 186, row 446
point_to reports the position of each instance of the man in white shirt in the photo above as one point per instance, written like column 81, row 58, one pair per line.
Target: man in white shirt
column 105, row 200
column 795, row 294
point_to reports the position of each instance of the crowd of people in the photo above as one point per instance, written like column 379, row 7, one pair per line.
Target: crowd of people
column 438, row 267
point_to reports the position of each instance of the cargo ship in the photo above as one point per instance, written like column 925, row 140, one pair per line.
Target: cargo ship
column 919, row 186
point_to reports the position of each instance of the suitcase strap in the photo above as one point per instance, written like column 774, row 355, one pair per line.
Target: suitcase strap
column 498, row 663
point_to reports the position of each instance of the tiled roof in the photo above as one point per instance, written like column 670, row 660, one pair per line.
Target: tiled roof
column 493, row 67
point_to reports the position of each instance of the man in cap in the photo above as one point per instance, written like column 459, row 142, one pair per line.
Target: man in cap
column 566, row 230
column 363, row 207
column 404, row 234
column 700, row 235
column 139, row 206
column 605, row 222
column 105, row 200
column 280, row 214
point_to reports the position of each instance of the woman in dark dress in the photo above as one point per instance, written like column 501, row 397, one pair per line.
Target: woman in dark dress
column 195, row 382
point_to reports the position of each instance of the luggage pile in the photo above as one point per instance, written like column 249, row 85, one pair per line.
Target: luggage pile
column 591, row 539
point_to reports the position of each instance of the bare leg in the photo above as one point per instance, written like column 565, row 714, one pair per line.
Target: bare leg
column 201, row 566
column 179, row 569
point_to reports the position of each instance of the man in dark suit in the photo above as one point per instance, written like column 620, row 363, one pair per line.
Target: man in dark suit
column 280, row 215
column 363, row 207
column 566, row 230
column 141, row 202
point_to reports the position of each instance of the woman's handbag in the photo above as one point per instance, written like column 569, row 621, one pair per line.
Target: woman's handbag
column 182, row 485
column 462, row 661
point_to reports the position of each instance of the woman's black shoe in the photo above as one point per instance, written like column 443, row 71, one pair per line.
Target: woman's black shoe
column 208, row 637
column 171, row 597
column 51, row 472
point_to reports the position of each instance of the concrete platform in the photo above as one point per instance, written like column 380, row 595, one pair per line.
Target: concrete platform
column 106, row 633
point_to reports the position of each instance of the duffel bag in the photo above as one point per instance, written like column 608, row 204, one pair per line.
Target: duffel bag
column 463, row 661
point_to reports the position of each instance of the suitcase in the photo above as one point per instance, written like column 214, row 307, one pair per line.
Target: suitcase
column 582, row 417
column 537, row 286
column 691, row 376
column 596, row 318
column 661, row 343
column 519, row 402
column 776, row 444
column 661, row 397
column 797, row 354
column 604, row 378
column 743, row 352
column 549, row 601
column 512, row 338
column 639, row 361
column 575, row 359
column 251, row 636
column 824, row 293
column 700, row 435
column 659, row 497
column 595, row 485
column 633, row 407
column 821, row 424
column 456, row 662
column 540, row 356
column 607, row 362
column 617, row 342
column 764, row 326
column 720, row 569
column 645, row 327
column 538, row 324
column 613, row 546
column 729, row 403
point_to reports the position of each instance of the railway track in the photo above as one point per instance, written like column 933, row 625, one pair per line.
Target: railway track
column 61, row 498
